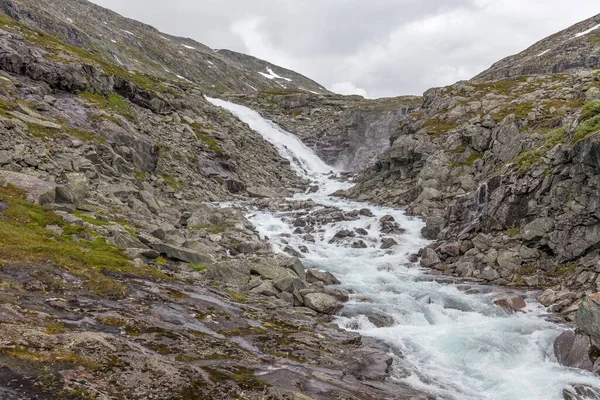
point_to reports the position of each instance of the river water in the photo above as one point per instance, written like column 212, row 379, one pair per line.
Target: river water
column 454, row 345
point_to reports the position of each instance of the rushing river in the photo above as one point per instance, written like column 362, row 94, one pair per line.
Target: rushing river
column 455, row 345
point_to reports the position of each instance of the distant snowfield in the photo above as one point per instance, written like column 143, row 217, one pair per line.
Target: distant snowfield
column 273, row 75
column 543, row 52
column 588, row 31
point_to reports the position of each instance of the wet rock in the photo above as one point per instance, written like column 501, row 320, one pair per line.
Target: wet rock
column 387, row 218
column 309, row 238
column 429, row 258
column 313, row 275
column 511, row 304
column 293, row 252
column 359, row 244
column 313, row 189
column 340, row 294
column 322, row 303
column 388, row 243
column 365, row 212
column 38, row 191
column 573, row 350
column 361, row 232
column 303, row 249
column 381, row 320
column 581, row 392
column 588, row 315
column 343, row 234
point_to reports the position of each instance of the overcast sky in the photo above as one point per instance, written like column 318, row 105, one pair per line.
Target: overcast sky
column 371, row 47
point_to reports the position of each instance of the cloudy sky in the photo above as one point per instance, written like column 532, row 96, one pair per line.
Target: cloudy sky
column 371, row 47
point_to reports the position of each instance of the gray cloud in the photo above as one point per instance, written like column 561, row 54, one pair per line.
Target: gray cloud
column 376, row 47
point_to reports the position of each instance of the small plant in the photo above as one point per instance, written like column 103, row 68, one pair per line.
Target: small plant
column 161, row 261
column 199, row 268
column 172, row 182
column 513, row 231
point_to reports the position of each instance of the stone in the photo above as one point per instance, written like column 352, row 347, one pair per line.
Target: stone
column 3, row 206
column 183, row 254
column 388, row 243
column 490, row 274
column 359, row 244
column 573, row 350
column 289, row 284
column 511, row 304
column 588, row 315
column 295, row 265
column 322, row 303
column 266, row 288
column 313, row 275
column 263, row 192
column 548, row 298
column 381, row 320
column 537, row 229
column 57, row 230
column 449, row 249
column 387, row 218
column 74, row 190
column 365, row 212
column 429, row 258
column 581, row 392
column 38, row 191
column 150, row 201
column 235, row 273
column 270, row 269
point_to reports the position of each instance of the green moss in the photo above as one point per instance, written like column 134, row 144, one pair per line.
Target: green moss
column 43, row 132
column 142, row 175
column 513, row 231
column 469, row 161
column 25, row 240
column 55, row 328
column 587, row 128
column 530, row 158
column 57, row 356
column 503, row 86
column 172, row 182
column 237, row 297
column 199, row 268
column 590, row 110
column 113, row 102
column 161, row 261
column 243, row 377
column 437, row 127
column 520, row 110
column 280, row 92
column 211, row 142
column 212, row 228
column 89, row 219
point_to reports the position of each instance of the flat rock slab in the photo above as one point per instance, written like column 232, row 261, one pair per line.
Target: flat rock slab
column 38, row 191
column 33, row 120
column 182, row 254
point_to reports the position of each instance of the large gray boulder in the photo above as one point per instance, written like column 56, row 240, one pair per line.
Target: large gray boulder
column 538, row 228
column 429, row 258
column 322, row 303
column 588, row 316
column 573, row 350
column 234, row 273
column 38, row 191
column 183, row 254
column 314, row 275
column 74, row 190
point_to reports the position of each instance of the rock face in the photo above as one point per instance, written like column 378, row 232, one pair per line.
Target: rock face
column 148, row 51
column 349, row 132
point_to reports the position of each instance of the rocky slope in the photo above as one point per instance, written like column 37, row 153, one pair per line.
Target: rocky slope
column 118, row 278
column 141, row 49
column 349, row 132
column 506, row 172
column 570, row 50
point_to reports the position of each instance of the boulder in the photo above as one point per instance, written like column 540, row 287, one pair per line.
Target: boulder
column 74, row 190
column 235, row 273
column 263, row 192
column 380, row 320
column 295, row 265
column 511, row 304
column 38, row 191
column 429, row 258
column 289, row 284
column 573, row 350
column 588, row 315
column 359, row 244
column 322, row 303
column 270, row 269
column 537, row 229
column 313, row 275
column 183, row 254
column 388, row 243
column 581, row 392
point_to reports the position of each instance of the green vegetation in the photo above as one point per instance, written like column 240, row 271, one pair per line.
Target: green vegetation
column 528, row 159
column 469, row 161
column 590, row 121
column 89, row 219
column 280, row 92
column 25, row 241
column 437, row 127
column 237, row 297
column 58, row 356
column 172, row 182
column 199, row 268
column 43, row 132
column 113, row 102
column 503, row 86
column 513, row 231
column 564, row 270
column 520, row 110
column 211, row 142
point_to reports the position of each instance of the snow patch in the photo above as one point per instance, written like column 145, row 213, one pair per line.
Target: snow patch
column 543, row 52
column 113, row 40
column 210, row 63
column 167, row 39
column 117, row 59
column 588, row 31
column 272, row 75
column 70, row 20
column 128, row 32
column 188, row 47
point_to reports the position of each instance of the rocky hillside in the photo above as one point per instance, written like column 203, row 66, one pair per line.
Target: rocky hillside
column 118, row 278
column 573, row 49
column 142, row 50
column 349, row 132
column 507, row 173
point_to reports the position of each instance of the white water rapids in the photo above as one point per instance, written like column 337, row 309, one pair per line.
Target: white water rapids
column 455, row 345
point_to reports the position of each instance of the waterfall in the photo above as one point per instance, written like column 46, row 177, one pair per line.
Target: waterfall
column 449, row 342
